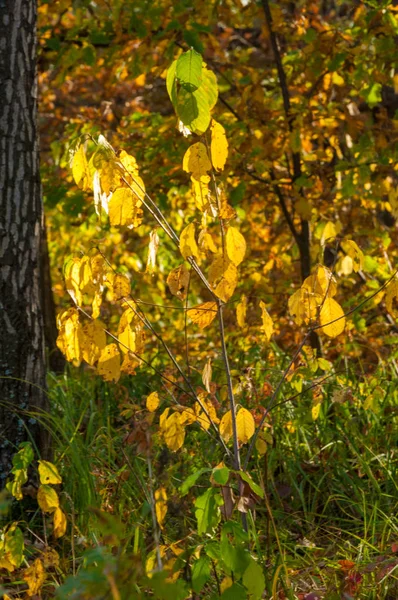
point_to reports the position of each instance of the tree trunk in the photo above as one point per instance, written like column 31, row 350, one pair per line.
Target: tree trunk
column 22, row 358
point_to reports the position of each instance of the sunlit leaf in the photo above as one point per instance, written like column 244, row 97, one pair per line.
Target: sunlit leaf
column 160, row 505
column 47, row 498
column 188, row 245
column 48, row 473
column 218, row 146
column 268, row 325
column 332, row 318
column 196, row 160
column 189, row 70
column 109, row 363
column 80, row 170
column 59, row 523
column 152, row 401
column 225, row 426
column 174, row 432
column 245, row 425
column 178, row 281
column 203, row 314
column 236, row 245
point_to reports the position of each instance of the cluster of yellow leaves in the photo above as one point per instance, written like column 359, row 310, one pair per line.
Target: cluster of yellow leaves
column 314, row 301
column 117, row 187
column 245, row 426
column 47, row 497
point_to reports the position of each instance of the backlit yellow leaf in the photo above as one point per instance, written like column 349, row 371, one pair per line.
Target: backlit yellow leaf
column 354, row 252
column 330, row 311
column 152, row 402
column 241, row 310
column 34, row 576
column 225, row 427
column 80, row 170
column 121, row 207
column 219, row 146
column 94, row 341
column 178, row 281
column 206, row 242
column 203, row 314
column 121, row 286
column 315, row 410
column 245, row 425
column 47, row 498
column 201, row 192
column 174, row 432
column 196, row 160
column 236, row 245
column 70, row 336
column 207, row 374
column 72, row 275
column 59, row 523
column 48, row 473
column 188, row 245
column 129, row 163
column 268, row 325
column 109, row 363
column 160, row 505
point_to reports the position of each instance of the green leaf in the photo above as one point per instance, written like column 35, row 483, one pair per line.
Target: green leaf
column 200, row 573
column 253, row 486
column 220, row 475
column 374, row 95
column 189, row 70
column 254, row 580
column 235, row 592
column 207, row 511
column 236, row 558
column 23, row 458
column 193, row 110
column 191, row 480
column 209, row 87
column 171, row 83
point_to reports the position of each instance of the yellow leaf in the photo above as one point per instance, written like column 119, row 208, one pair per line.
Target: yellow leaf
column 206, row 242
column 121, row 207
column 196, row 160
column 345, row 265
column 126, row 335
column 70, row 336
column 218, row 146
column 11, row 547
column 226, row 287
column 129, row 364
column 152, row 402
column 267, row 326
column 34, row 576
column 47, row 498
column 236, row 245
column 129, row 163
column 321, row 283
column 174, row 432
column 48, row 473
column 152, row 251
column 245, row 425
column 94, row 341
column 72, row 275
column 87, row 285
column 59, row 523
column 188, row 245
column 121, row 287
column 329, row 232
column 207, row 374
column 315, row 410
column 241, row 311
column 160, row 505
column 203, row 314
column 178, row 281
column 109, row 173
column 391, row 295
column 330, row 311
column 354, row 252
column 80, row 170
column 109, row 363
column 225, row 427
column 201, row 192
column 163, row 419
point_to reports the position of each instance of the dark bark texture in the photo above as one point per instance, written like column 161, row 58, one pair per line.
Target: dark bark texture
column 22, row 357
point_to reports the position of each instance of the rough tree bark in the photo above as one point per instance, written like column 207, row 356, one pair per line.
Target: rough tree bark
column 22, row 357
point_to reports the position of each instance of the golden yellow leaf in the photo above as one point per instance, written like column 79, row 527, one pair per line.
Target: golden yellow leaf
column 354, row 252
column 174, row 432
column 196, row 160
column 160, row 505
column 94, row 341
column 80, row 170
column 121, row 286
column 391, row 295
column 303, row 306
column 87, row 285
column 206, row 242
column 225, row 426
column 321, row 283
column 226, row 287
column 47, row 498
column 268, row 325
column 48, row 473
column 152, row 402
column 207, row 374
column 34, row 576
column 59, row 523
column 122, row 207
column 345, row 266
column 203, row 314
column 315, row 410
column 178, row 281
column 109, row 363
column 129, row 364
column 241, row 311
column 330, row 311
column 201, row 192
column 110, row 174
column 329, row 232
column 129, row 163
column 236, row 245
column 188, row 245
column 245, row 425
column 218, row 146
column 72, row 275
column 70, row 336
